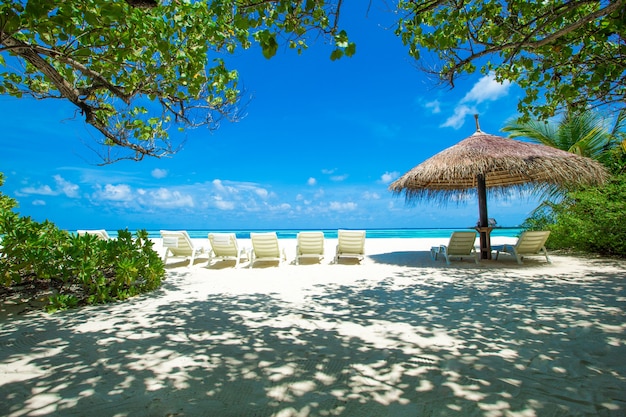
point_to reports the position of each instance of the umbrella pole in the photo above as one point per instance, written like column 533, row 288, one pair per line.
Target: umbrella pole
column 483, row 226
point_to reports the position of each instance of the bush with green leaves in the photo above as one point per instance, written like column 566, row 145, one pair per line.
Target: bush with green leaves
column 589, row 220
column 75, row 270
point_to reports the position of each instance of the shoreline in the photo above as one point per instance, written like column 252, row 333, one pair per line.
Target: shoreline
column 405, row 233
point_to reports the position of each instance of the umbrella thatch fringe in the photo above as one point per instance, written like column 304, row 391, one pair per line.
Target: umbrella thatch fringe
column 506, row 164
column 458, row 197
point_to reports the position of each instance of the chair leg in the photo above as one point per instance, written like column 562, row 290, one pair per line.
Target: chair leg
column 545, row 252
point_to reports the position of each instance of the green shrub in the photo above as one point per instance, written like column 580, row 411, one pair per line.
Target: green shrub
column 76, row 270
column 590, row 220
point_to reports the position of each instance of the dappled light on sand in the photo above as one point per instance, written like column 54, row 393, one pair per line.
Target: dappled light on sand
column 390, row 340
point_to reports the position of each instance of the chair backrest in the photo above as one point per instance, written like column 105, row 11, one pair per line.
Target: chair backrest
column 101, row 233
column 224, row 244
column 531, row 242
column 310, row 243
column 178, row 242
column 351, row 241
column 461, row 243
column 265, row 245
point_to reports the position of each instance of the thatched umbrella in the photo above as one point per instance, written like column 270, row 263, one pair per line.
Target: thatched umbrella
column 484, row 161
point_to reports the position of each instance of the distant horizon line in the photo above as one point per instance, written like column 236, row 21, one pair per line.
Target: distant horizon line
column 296, row 228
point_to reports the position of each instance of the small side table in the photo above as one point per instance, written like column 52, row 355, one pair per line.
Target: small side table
column 485, row 241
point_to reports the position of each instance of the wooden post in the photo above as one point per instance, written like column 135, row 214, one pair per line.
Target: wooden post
column 483, row 222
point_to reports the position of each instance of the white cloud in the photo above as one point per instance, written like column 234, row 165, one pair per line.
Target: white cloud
column 166, row 198
column 311, row 181
column 339, row 178
column 66, row 187
column 159, row 173
column 338, row 206
column 371, row 196
column 261, row 192
column 223, row 205
column 434, row 105
column 39, row 203
column 41, row 190
column 329, row 171
column 218, row 185
column 62, row 187
column 121, row 192
column 232, row 189
column 282, row 207
column 458, row 118
column 388, row 177
column 485, row 89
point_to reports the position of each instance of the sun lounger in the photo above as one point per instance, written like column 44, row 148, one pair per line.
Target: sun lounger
column 265, row 248
column 178, row 244
column 350, row 244
column 310, row 245
column 101, row 233
column 460, row 245
column 224, row 247
column 530, row 243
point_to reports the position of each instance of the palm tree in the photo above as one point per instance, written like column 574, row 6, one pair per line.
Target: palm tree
column 585, row 133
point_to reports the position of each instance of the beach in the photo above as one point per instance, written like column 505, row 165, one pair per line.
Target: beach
column 399, row 334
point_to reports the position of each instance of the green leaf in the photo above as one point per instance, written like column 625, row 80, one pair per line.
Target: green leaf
column 336, row 54
column 351, row 49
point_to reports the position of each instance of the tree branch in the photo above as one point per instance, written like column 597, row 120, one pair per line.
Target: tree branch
column 101, row 81
column 526, row 43
column 583, row 21
column 73, row 95
column 27, row 52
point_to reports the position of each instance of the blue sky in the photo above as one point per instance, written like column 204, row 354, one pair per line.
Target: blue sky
column 318, row 147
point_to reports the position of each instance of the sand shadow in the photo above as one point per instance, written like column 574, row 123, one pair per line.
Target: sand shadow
column 222, row 264
column 419, row 259
column 423, row 259
column 424, row 346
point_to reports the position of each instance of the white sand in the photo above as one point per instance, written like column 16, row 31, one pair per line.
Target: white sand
column 398, row 335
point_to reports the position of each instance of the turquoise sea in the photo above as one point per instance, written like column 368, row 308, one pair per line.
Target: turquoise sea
column 332, row 233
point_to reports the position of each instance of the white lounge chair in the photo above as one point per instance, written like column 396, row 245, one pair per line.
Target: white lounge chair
column 224, row 247
column 350, row 244
column 460, row 245
column 310, row 245
column 178, row 244
column 530, row 243
column 265, row 248
column 101, row 233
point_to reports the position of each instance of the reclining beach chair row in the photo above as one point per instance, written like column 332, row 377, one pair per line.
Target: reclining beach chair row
column 265, row 247
column 310, row 245
column 462, row 245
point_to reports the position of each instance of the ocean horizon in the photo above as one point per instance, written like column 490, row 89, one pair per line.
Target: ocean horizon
column 332, row 233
